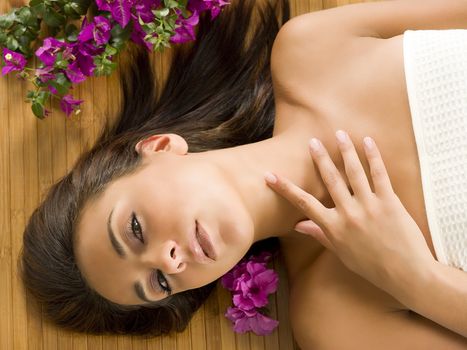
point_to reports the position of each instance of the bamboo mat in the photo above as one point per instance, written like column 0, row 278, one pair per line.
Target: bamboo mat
column 33, row 155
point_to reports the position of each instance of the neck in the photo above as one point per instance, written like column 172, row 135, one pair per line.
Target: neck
column 285, row 154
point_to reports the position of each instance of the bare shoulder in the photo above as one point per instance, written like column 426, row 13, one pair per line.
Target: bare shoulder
column 332, row 308
column 309, row 59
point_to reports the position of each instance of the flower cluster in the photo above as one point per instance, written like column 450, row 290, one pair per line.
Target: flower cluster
column 251, row 282
column 69, row 55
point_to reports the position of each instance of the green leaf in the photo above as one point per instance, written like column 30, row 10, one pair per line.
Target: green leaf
column 71, row 32
column 24, row 15
column 38, row 10
column 7, row 20
column 19, row 31
column 119, row 35
column 161, row 13
column 38, row 110
column 61, row 83
column 35, row 2
column 43, row 96
column 81, row 6
column 110, row 51
column 12, row 43
column 171, row 3
column 3, row 38
column 53, row 18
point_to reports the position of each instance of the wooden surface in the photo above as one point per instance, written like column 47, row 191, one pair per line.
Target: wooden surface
column 33, row 155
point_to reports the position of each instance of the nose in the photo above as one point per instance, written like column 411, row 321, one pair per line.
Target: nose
column 168, row 258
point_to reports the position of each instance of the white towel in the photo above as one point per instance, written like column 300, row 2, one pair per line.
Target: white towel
column 436, row 74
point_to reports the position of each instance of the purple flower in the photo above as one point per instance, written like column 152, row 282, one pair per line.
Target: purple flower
column 138, row 34
column 13, row 61
column 47, row 52
column 83, row 61
column 99, row 30
column 120, row 9
column 232, row 278
column 44, row 74
column 254, row 291
column 74, row 73
column 68, row 104
column 245, row 321
column 185, row 28
column 203, row 5
column 53, row 90
column 143, row 9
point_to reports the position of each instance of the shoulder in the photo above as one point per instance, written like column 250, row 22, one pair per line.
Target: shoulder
column 311, row 53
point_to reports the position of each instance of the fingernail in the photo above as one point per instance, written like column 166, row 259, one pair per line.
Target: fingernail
column 315, row 144
column 270, row 178
column 369, row 143
column 341, row 136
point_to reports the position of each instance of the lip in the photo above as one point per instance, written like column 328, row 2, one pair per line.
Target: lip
column 199, row 243
column 205, row 242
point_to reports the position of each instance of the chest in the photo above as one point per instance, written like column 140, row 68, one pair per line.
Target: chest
column 366, row 97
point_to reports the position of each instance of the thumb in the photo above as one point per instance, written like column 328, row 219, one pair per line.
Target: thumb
column 310, row 228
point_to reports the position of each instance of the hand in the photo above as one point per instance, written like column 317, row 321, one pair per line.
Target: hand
column 370, row 231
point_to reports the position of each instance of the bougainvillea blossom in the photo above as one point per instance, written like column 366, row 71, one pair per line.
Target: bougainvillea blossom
column 13, row 61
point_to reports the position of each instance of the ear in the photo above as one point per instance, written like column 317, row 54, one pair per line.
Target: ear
column 162, row 143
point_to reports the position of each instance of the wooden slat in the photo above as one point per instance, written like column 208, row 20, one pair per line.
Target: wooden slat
column 17, row 160
column 6, row 306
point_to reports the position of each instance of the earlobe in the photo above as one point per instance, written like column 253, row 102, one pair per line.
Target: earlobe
column 162, row 143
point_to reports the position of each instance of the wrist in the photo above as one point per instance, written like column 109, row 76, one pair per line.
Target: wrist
column 414, row 282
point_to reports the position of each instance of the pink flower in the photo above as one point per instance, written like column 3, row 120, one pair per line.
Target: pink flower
column 204, row 5
column 45, row 74
column 68, row 104
column 13, row 61
column 245, row 321
column 138, row 34
column 47, row 52
column 185, row 28
column 250, row 282
column 120, row 9
column 254, row 291
column 98, row 30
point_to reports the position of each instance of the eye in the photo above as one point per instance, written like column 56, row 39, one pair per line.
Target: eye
column 135, row 228
column 161, row 282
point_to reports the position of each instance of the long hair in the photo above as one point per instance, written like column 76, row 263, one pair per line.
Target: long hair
column 218, row 94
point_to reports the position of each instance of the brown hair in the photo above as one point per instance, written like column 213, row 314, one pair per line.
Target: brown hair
column 218, row 94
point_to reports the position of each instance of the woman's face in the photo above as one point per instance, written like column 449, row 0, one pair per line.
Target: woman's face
column 175, row 224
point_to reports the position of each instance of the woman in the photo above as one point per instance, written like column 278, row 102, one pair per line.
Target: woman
column 133, row 233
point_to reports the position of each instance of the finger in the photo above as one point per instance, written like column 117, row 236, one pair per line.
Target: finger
column 353, row 166
column 378, row 171
column 332, row 178
column 307, row 203
column 310, row 228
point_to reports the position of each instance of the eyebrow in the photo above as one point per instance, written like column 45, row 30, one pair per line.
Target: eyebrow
column 115, row 244
column 139, row 290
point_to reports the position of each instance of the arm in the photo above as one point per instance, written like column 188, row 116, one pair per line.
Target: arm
column 316, row 48
column 440, row 295
column 385, row 19
column 374, row 236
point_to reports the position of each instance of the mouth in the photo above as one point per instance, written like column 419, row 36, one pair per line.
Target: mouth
column 201, row 246
column 205, row 242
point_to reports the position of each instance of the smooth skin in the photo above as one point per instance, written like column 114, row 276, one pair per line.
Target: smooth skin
column 343, row 69
column 373, row 234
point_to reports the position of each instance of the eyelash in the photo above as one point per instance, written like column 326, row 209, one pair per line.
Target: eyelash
column 137, row 231
column 164, row 285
